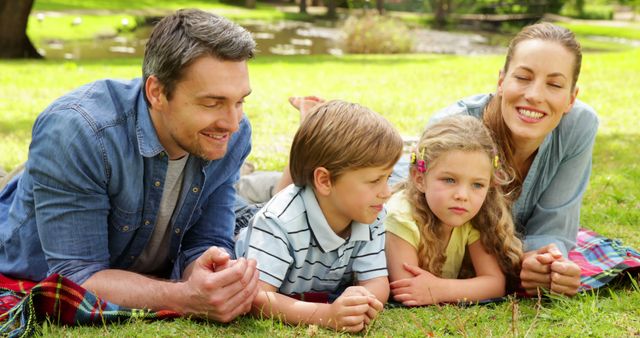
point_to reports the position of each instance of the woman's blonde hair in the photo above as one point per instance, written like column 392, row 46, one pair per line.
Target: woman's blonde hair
column 493, row 221
column 341, row 136
column 493, row 115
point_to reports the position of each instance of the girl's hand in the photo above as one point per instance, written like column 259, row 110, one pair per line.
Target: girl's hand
column 421, row 289
column 304, row 104
column 350, row 310
column 546, row 268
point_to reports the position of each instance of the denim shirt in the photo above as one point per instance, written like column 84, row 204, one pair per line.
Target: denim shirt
column 548, row 208
column 88, row 198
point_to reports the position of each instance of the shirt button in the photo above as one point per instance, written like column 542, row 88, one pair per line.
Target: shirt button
column 177, row 231
column 147, row 222
column 125, row 228
column 195, row 189
column 157, row 183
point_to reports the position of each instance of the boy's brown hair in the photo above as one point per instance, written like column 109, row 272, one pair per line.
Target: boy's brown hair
column 341, row 136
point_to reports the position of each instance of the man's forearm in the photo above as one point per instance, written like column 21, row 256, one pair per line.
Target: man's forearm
column 134, row 290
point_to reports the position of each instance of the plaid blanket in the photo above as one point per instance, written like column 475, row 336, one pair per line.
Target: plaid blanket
column 601, row 259
column 24, row 303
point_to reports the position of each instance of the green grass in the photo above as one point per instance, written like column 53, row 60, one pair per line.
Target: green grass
column 407, row 89
column 612, row 29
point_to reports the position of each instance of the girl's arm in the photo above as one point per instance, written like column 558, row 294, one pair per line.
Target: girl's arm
column 399, row 252
column 347, row 313
column 378, row 287
column 423, row 288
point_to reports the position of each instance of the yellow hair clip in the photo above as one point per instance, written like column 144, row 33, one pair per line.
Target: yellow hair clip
column 496, row 161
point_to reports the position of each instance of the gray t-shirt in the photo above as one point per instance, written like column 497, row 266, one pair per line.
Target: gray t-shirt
column 155, row 255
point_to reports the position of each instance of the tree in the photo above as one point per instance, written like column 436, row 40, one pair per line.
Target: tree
column 441, row 9
column 14, row 42
column 303, row 6
column 380, row 6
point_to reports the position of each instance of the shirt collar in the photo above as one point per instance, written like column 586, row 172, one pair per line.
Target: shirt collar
column 327, row 239
column 148, row 143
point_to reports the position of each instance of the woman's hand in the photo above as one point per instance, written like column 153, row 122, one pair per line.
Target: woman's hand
column 546, row 268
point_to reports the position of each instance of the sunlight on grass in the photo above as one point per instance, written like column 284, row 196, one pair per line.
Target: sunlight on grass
column 407, row 89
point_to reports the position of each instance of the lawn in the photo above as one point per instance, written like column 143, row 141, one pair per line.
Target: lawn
column 407, row 89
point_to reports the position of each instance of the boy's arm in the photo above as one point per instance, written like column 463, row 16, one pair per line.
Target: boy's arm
column 347, row 313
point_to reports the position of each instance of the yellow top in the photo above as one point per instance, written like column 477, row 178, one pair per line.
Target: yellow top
column 400, row 222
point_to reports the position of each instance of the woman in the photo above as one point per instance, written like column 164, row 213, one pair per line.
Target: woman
column 546, row 136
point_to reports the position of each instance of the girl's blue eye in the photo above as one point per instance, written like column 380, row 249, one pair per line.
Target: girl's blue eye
column 448, row 180
column 478, row 185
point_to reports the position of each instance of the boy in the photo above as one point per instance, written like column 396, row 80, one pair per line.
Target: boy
column 324, row 233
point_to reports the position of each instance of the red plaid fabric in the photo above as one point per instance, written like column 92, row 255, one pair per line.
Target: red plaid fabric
column 25, row 303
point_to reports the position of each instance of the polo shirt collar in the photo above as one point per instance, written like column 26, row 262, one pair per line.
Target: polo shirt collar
column 327, row 239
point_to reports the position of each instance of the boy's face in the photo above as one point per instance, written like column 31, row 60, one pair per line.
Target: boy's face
column 357, row 195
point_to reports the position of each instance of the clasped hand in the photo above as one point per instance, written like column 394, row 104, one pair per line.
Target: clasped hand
column 354, row 309
column 220, row 288
column 546, row 268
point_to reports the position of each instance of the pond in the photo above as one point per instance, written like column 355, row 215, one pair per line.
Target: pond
column 281, row 38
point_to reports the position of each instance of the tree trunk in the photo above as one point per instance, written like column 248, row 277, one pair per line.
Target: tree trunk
column 250, row 4
column 14, row 42
column 331, row 9
column 303, row 6
column 440, row 10
column 380, row 6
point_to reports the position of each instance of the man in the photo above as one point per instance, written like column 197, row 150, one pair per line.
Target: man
column 130, row 181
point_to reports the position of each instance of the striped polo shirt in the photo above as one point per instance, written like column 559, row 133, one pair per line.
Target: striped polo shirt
column 297, row 251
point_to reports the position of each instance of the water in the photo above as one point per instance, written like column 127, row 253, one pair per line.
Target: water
column 282, row 38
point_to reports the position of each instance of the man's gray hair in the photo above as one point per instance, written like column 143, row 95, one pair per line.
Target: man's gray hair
column 179, row 39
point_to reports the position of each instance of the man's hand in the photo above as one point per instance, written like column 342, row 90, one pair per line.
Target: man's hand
column 546, row 268
column 220, row 288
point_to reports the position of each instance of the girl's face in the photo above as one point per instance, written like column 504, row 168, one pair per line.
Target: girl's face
column 456, row 186
column 536, row 90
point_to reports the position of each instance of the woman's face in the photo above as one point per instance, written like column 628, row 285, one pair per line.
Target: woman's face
column 536, row 90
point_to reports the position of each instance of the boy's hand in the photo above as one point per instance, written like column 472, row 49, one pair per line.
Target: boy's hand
column 421, row 289
column 375, row 305
column 350, row 310
column 304, row 104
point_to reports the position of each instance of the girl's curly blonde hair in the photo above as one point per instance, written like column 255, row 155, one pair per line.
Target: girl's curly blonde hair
column 493, row 221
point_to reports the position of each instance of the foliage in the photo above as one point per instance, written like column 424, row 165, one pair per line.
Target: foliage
column 376, row 34
column 589, row 12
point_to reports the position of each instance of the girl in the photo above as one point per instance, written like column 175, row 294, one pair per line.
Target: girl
column 451, row 204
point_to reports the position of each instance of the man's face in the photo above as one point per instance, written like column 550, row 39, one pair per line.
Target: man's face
column 204, row 110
